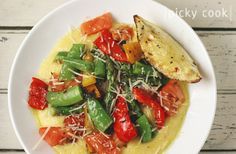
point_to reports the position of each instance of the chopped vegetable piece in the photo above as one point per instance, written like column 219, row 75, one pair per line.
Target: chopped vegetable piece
column 76, row 51
column 101, row 144
column 54, row 135
column 135, row 110
column 148, row 111
column 92, row 89
column 145, row 128
column 88, row 57
column 75, row 82
column 68, row 110
column 100, row 118
column 172, row 97
column 76, row 124
column 87, row 121
column 99, row 68
column 142, row 69
column 38, row 83
column 123, row 126
column 37, row 102
column 81, row 65
column 37, row 94
column 133, row 52
column 61, row 55
column 111, row 73
column 72, row 96
column 123, row 32
column 145, row 97
column 97, row 24
column 54, row 84
column 108, row 46
column 66, row 73
column 88, row 80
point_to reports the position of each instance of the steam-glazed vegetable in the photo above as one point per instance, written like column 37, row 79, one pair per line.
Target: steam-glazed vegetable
column 98, row 115
column 123, row 126
column 145, row 128
column 110, row 92
column 97, row 24
column 71, row 96
column 37, row 94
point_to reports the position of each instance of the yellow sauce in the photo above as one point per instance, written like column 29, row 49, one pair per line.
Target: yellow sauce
column 46, row 117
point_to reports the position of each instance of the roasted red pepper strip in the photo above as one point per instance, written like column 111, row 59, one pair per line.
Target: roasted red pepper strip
column 109, row 46
column 123, row 126
column 144, row 97
column 101, row 144
column 37, row 94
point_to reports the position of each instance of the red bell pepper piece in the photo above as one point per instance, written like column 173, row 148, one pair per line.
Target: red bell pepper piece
column 53, row 86
column 144, row 97
column 109, row 46
column 101, row 144
column 172, row 97
column 123, row 126
column 76, row 124
column 54, row 136
column 37, row 94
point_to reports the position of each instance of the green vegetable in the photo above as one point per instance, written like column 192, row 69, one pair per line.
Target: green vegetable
column 61, row 55
column 72, row 96
column 108, row 100
column 66, row 73
column 99, row 68
column 100, row 118
column 142, row 69
column 81, row 65
column 76, row 51
column 164, row 80
column 135, row 108
column 68, row 110
column 133, row 105
column 145, row 128
column 111, row 76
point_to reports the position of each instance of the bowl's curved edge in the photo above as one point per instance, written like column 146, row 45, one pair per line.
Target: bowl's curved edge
column 37, row 25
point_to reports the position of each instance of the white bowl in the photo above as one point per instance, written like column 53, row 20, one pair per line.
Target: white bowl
column 47, row 31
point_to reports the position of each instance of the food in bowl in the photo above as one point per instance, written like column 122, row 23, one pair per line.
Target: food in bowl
column 112, row 88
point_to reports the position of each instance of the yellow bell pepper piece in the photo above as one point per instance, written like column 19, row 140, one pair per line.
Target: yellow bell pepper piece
column 88, row 80
column 93, row 89
column 133, row 51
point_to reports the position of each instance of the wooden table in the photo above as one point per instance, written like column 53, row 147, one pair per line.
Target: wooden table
column 218, row 34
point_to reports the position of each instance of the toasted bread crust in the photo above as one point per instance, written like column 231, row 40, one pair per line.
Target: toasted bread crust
column 165, row 53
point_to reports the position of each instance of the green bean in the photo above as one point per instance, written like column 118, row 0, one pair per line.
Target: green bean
column 76, row 51
column 68, row 110
column 99, row 68
column 145, row 128
column 72, row 96
column 98, row 115
column 65, row 73
column 81, row 65
column 61, row 55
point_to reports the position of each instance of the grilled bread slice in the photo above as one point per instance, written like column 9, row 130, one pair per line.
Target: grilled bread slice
column 165, row 53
